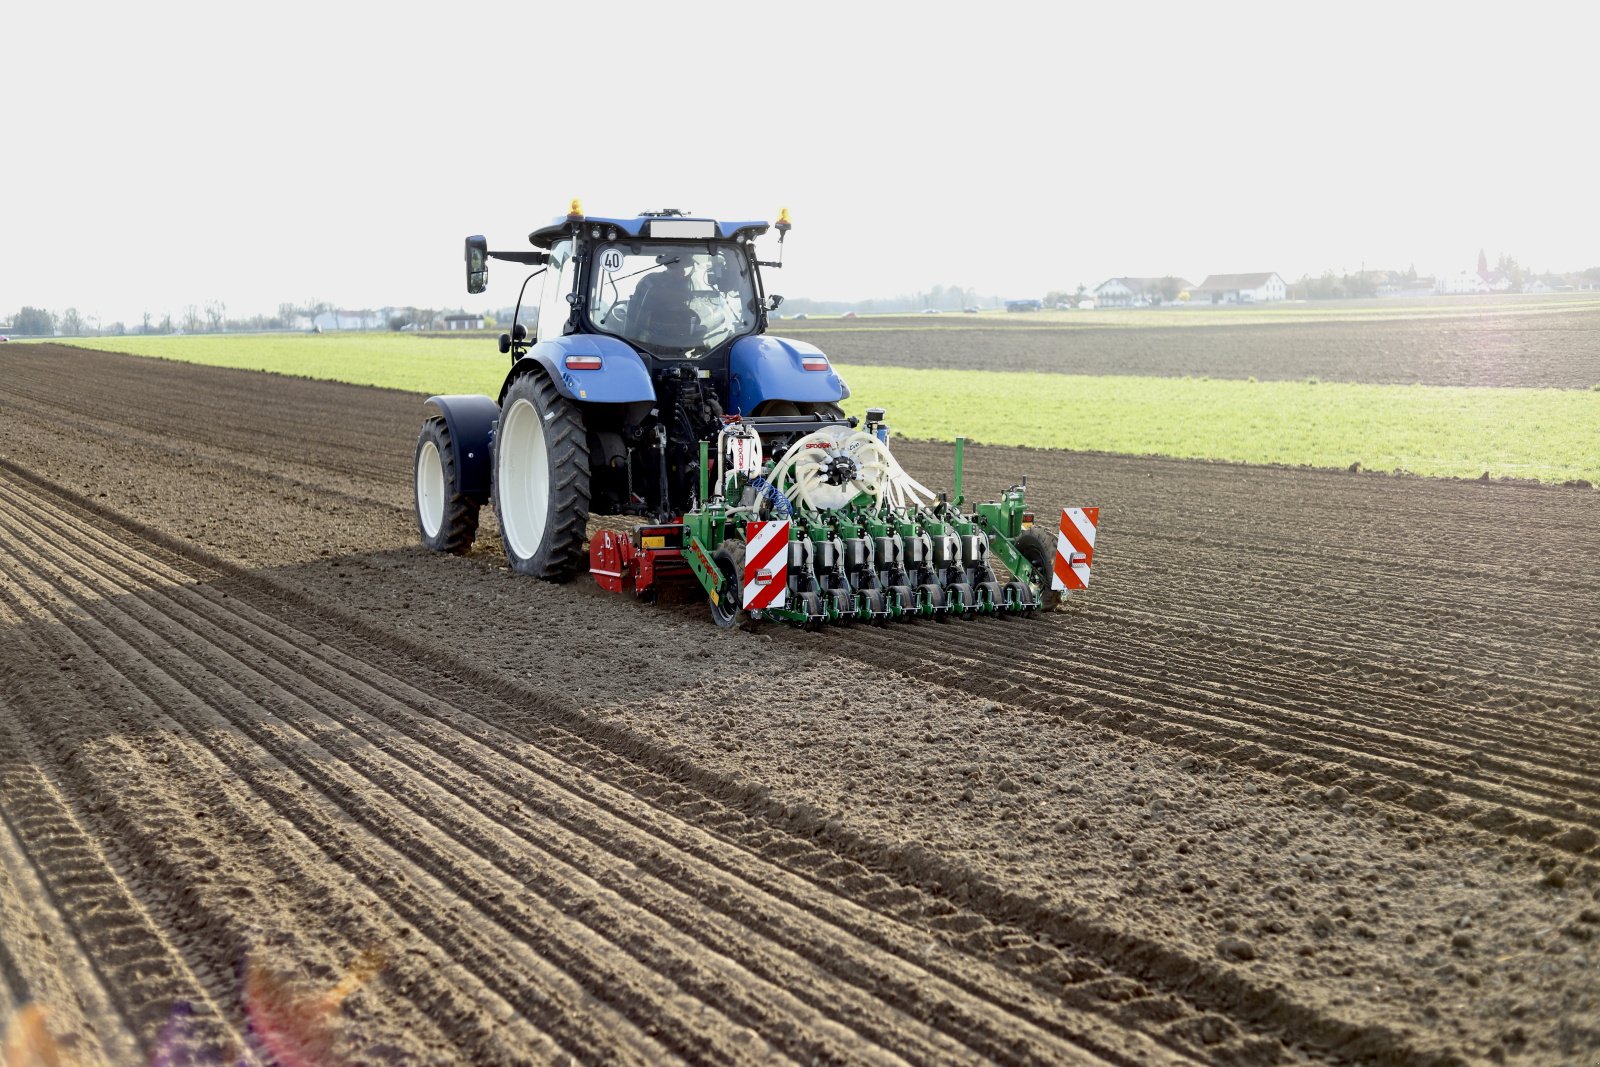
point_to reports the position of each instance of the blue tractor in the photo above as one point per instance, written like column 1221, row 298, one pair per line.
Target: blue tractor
column 651, row 388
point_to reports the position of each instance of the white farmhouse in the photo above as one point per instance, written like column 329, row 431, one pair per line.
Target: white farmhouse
column 1239, row 289
column 1462, row 282
column 1138, row 292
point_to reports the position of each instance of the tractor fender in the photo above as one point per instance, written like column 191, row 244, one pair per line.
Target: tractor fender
column 762, row 368
column 471, row 421
column 621, row 377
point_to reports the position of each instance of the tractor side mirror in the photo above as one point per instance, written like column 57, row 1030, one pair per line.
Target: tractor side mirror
column 477, row 264
column 774, row 302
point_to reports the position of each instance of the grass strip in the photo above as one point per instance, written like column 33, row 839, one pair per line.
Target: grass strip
column 1545, row 434
column 1445, row 431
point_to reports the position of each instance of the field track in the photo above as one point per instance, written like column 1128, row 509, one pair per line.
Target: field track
column 1552, row 346
column 1313, row 772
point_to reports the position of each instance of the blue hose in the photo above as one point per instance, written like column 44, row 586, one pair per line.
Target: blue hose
column 780, row 503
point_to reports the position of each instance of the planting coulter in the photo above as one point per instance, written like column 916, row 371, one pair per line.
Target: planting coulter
column 652, row 389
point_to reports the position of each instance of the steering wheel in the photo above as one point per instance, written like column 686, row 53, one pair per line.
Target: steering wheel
column 618, row 313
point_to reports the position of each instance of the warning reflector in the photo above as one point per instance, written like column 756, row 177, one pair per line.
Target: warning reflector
column 1075, row 548
column 766, row 564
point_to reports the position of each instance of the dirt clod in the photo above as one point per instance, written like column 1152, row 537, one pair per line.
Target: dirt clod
column 1236, row 948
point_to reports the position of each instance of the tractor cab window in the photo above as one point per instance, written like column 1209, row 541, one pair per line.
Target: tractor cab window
column 559, row 277
column 680, row 299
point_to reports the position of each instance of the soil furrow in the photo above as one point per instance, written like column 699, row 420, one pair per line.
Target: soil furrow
column 243, row 461
column 392, row 781
column 535, row 989
column 1366, row 682
column 144, row 974
column 43, row 963
column 1282, row 701
column 1199, row 727
column 1196, row 979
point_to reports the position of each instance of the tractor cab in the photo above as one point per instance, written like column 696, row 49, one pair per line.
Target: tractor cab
column 671, row 286
column 673, row 299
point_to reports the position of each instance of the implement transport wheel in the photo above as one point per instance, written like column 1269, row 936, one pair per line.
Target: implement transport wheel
column 727, row 609
column 446, row 518
column 1040, row 550
column 541, row 479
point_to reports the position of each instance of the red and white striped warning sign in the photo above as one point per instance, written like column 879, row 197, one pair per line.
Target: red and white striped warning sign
column 766, row 564
column 1075, row 548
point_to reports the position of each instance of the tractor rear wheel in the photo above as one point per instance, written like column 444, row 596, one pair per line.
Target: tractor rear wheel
column 446, row 518
column 1040, row 551
column 541, row 479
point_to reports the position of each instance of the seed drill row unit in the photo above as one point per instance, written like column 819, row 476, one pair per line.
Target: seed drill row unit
column 651, row 388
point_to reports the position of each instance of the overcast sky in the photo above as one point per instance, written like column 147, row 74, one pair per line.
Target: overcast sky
column 158, row 154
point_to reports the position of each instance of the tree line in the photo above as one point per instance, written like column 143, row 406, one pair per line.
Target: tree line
column 211, row 317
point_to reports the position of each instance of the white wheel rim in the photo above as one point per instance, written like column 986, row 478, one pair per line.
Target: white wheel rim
column 430, row 490
column 524, row 479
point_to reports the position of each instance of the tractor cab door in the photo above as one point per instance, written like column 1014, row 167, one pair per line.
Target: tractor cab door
column 560, row 277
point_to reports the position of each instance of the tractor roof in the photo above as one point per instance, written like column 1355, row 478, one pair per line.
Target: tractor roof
column 661, row 225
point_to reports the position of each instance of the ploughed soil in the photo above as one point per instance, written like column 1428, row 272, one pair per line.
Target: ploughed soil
column 1310, row 774
column 1553, row 347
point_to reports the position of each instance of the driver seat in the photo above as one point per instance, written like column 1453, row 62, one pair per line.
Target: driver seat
column 659, row 313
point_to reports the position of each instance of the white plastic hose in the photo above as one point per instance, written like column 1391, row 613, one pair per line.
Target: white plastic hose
column 752, row 457
column 799, row 474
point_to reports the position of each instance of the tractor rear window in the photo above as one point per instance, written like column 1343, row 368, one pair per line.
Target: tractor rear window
column 681, row 299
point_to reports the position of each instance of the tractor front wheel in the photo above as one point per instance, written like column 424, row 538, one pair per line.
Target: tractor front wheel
column 541, row 479
column 446, row 517
column 1040, row 552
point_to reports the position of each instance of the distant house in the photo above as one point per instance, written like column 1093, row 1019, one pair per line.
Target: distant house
column 1239, row 289
column 1466, row 281
column 463, row 322
column 1138, row 292
column 341, row 319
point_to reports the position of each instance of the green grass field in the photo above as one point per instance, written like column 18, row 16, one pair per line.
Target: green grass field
column 1544, row 434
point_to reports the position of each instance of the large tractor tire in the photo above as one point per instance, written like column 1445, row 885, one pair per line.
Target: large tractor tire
column 1039, row 549
column 446, row 518
column 541, row 479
